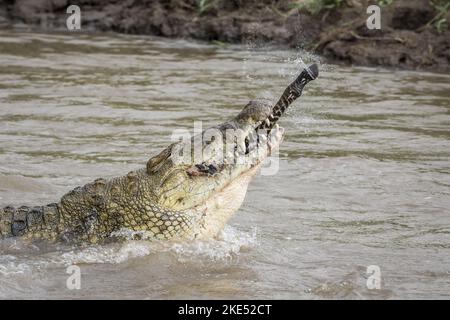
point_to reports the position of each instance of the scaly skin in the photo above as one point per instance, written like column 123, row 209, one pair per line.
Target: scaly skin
column 94, row 211
column 169, row 199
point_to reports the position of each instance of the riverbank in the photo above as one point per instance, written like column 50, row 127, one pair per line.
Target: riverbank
column 413, row 35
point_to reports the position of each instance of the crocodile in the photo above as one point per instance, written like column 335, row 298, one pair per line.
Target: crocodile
column 187, row 191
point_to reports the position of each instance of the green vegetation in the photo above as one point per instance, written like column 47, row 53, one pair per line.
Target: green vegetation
column 440, row 20
column 315, row 6
column 205, row 5
column 383, row 3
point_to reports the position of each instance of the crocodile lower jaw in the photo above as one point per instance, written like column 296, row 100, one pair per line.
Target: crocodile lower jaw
column 219, row 208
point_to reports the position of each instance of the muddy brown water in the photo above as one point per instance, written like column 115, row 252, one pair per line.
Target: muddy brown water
column 363, row 179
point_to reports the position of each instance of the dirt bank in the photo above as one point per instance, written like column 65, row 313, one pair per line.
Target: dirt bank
column 409, row 37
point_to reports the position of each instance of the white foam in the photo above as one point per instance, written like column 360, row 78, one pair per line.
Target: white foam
column 10, row 266
column 225, row 247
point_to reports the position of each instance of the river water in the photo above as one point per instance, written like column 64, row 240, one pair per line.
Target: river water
column 363, row 179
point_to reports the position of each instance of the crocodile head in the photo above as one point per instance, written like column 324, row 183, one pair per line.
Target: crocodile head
column 190, row 189
column 211, row 171
column 191, row 171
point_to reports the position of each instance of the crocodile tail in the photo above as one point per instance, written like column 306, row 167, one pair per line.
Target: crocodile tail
column 22, row 221
column 290, row 94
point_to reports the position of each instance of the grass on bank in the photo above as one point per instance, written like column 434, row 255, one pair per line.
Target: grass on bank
column 439, row 22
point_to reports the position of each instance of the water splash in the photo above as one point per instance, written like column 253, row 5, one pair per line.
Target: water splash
column 225, row 247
